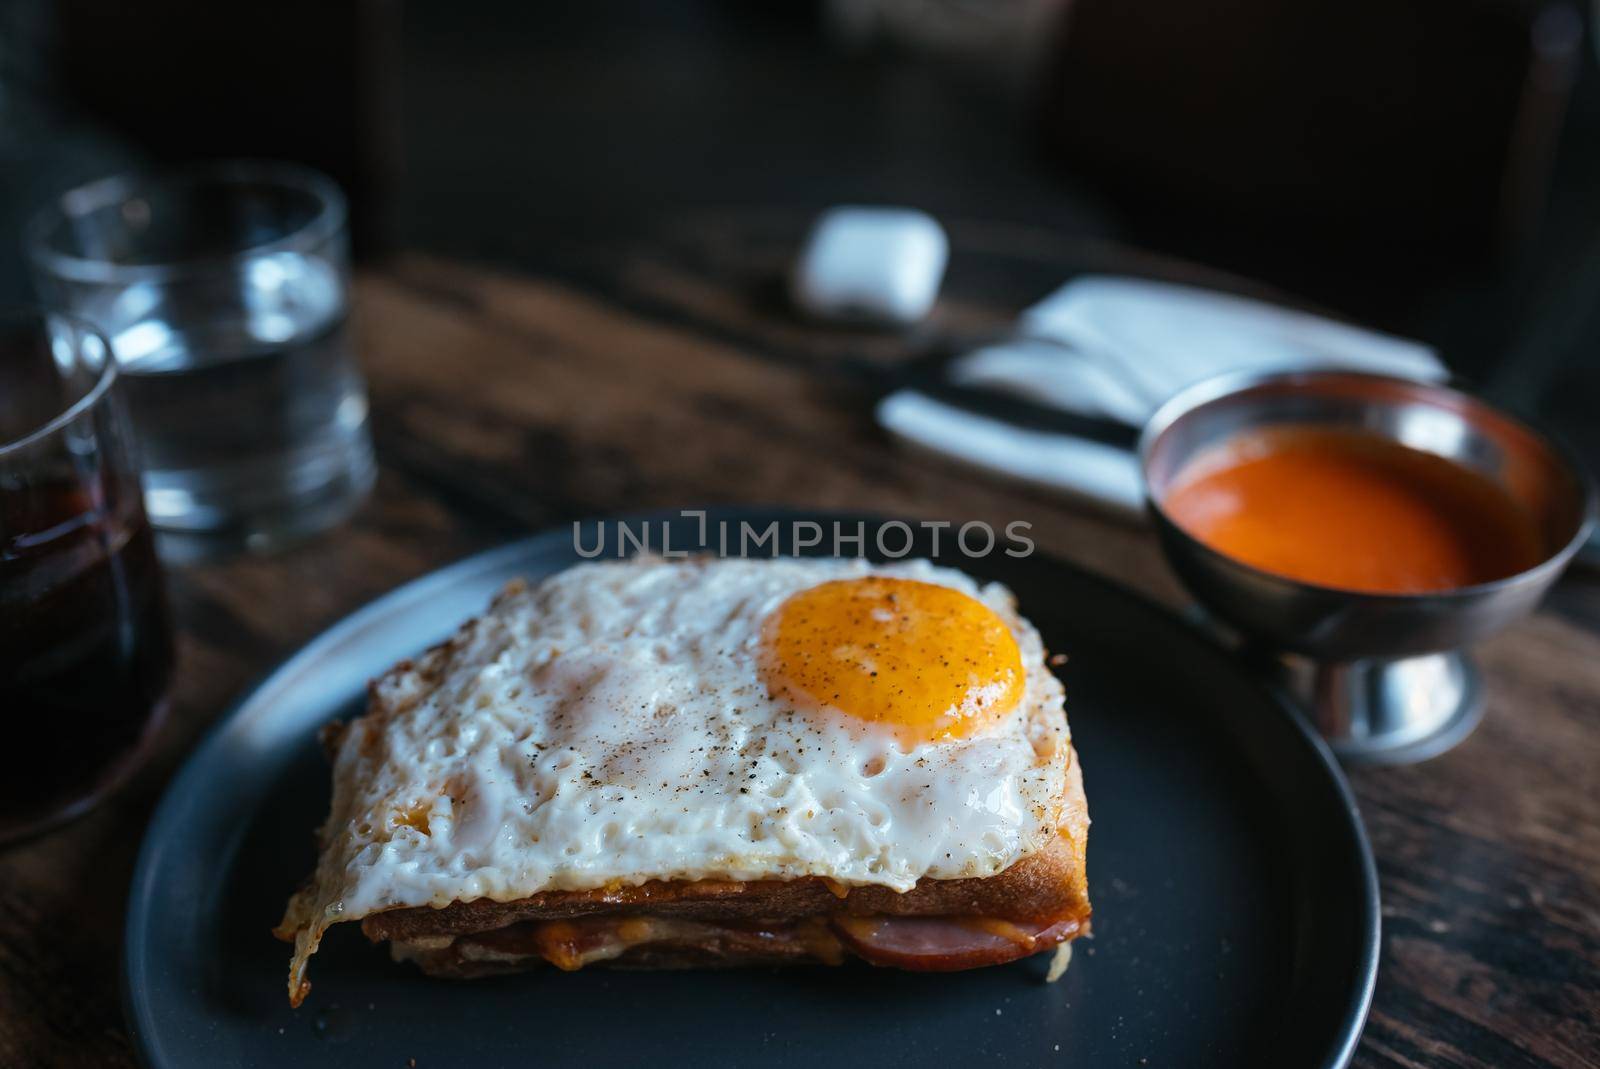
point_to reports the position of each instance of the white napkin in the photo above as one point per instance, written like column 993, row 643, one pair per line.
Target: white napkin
column 1115, row 348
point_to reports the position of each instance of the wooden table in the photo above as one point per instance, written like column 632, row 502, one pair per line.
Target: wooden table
column 667, row 374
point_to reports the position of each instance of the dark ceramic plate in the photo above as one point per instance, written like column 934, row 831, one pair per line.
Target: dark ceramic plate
column 1236, row 908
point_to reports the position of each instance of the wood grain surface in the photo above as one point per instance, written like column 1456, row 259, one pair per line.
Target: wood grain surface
column 666, row 373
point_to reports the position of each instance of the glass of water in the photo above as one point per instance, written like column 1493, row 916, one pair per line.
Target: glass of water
column 224, row 290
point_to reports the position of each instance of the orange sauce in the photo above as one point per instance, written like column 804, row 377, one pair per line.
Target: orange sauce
column 1352, row 510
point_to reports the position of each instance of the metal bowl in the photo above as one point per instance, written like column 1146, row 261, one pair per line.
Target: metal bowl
column 1378, row 643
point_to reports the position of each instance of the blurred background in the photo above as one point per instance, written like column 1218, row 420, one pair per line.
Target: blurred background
column 1429, row 167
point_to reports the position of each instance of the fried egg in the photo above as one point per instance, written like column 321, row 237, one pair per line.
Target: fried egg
column 629, row 721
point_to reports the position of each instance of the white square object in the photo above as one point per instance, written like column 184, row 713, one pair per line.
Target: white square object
column 876, row 265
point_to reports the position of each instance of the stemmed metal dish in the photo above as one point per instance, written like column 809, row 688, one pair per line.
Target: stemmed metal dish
column 1384, row 677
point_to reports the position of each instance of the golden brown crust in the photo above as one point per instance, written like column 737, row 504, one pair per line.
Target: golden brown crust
column 1050, row 884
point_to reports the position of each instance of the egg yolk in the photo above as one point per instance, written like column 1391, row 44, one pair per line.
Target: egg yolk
column 926, row 661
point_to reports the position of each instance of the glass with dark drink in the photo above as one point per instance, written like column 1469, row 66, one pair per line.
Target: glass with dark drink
column 86, row 648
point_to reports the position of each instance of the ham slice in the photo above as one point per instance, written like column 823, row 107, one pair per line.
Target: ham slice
column 924, row 944
column 945, row 944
